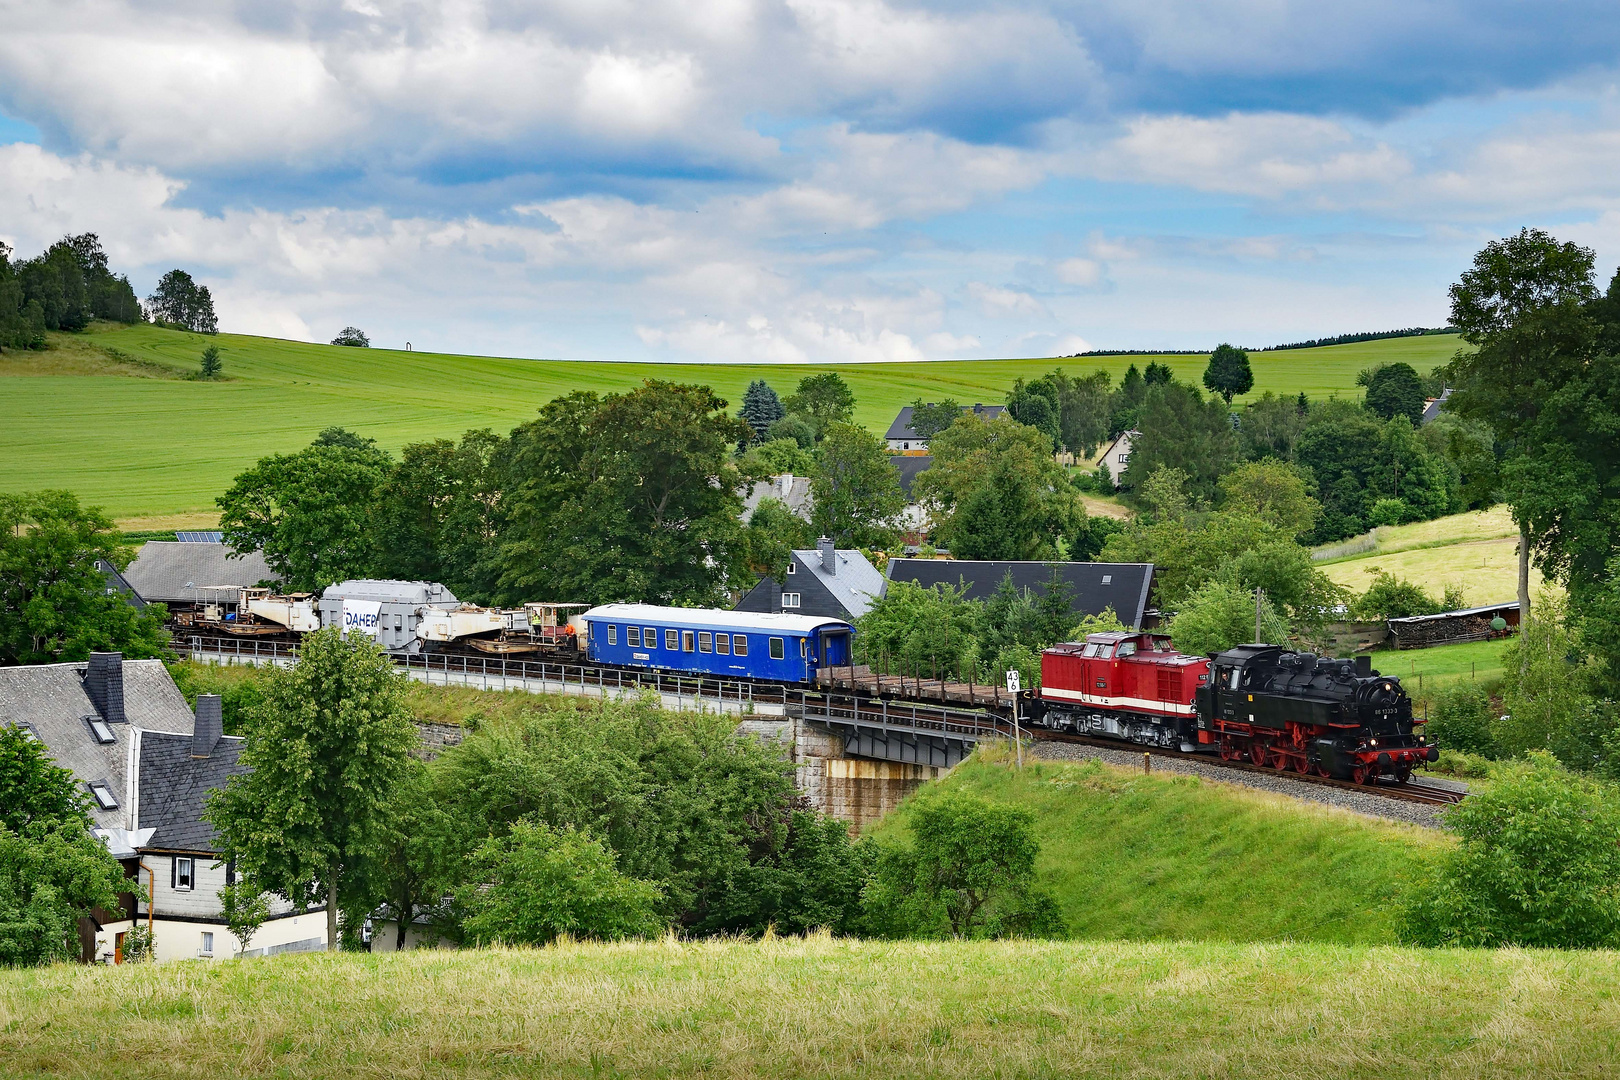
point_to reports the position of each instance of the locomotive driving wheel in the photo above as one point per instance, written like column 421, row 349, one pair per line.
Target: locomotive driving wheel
column 1361, row 773
column 1257, row 754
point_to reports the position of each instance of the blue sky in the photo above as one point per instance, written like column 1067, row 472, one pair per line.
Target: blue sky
column 809, row 180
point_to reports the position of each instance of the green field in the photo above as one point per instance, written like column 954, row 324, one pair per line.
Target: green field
column 825, row 1008
column 164, row 448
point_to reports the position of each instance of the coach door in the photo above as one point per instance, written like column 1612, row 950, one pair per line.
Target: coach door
column 834, row 648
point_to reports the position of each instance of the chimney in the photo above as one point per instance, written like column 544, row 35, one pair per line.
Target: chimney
column 104, row 679
column 829, row 561
column 209, row 726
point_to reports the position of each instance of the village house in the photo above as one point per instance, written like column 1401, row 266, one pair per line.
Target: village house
column 828, row 582
column 903, row 440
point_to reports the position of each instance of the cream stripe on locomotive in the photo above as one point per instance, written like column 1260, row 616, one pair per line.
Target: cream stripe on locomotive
column 1117, row 702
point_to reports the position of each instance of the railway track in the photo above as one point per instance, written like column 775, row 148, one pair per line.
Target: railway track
column 920, row 717
column 1408, row 792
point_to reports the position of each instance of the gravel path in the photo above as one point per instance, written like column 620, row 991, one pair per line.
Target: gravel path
column 1371, row 805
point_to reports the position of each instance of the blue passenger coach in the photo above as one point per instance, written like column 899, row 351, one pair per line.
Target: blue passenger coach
column 734, row 644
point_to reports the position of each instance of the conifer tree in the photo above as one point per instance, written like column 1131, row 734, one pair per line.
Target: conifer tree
column 760, row 409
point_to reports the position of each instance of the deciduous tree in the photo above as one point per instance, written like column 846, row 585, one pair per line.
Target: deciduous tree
column 823, row 400
column 1395, row 390
column 324, row 749
column 1183, row 431
column 929, row 418
column 180, row 302
column 856, row 489
column 1228, row 373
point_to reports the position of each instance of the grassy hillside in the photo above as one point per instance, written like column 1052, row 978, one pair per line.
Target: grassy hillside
column 157, row 447
column 1477, row 551
column 1167, row 857
column 823, row 1008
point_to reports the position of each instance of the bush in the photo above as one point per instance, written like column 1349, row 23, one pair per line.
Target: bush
column 1389, row 512
column 969, row 873
column 1537, row 866
column 537, row 883
column 1391, row 598
column 795, row 427
column 353, row 337
column 1461, row 720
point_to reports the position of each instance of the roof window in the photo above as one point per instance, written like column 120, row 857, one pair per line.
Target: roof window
column 102, row 731
column 1108, row 579
column 103, row 795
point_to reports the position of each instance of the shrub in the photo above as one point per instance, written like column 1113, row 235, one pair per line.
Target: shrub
column 1537, row 866
column 211, row 365
column 1391, row 598
column 1389, row 512
column 537, row 883
column 1461, row 720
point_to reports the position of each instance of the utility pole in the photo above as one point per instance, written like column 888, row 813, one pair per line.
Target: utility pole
column 1258, row 593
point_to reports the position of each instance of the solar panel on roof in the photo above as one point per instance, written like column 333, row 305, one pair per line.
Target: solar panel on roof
column 207, row 536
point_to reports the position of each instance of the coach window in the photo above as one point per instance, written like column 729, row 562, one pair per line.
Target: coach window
column 686, row 641
column 183, row 874
column 632, row 636
column 613, row 634
column 778, row 648
column 650, row 636
column 705, row 641
column 739, row 645
column 722, row 644
column 672, row 639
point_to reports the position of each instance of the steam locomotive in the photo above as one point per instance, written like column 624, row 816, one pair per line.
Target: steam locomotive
column 1258, row 703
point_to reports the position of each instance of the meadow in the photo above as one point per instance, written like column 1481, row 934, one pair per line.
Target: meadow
column 108, row 413
column 822, row 1008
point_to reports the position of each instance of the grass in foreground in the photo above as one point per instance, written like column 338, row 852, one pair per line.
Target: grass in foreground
column 824, row 1008
column 1177, row 857
column 158, row 446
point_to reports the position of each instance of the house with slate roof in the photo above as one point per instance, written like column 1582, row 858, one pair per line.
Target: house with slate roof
column 1094, row 587
column 148, row 763
column 902, row 439
column 828, row 582
column 188, row 573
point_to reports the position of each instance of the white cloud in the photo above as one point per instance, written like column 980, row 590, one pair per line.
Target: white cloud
column 1005, row 303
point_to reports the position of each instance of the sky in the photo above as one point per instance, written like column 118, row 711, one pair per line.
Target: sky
column 809, row 181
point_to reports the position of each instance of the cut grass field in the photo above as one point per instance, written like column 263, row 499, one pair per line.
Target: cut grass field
column 1477, row 552
column 165, row 447
column 822, row 1008
column 1423, row 671
column 1167, row 856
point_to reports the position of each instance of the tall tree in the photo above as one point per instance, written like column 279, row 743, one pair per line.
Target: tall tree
column 1183, row 431
column 856, row 488
column 1274, row 493
column 324, row 749
column 311, row 512
column 824, row 400
column 1395, row 390
column 629, row 497
column 929, row 418
column 33, row 788
column 1228, row 373
column 179, row 301
column 1522, row 306
column 353, row 337
column 439, row 514
column 995, row 486
column 1036, row 405
column 760, row 409
column 54, row 601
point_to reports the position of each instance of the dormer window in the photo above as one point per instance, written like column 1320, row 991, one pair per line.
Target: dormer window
column 101, row 730
column 103, row 795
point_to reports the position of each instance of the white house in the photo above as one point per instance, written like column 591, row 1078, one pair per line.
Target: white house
column 1118, row 454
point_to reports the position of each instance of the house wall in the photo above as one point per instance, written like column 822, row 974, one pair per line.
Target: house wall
column 173, row 939
column 385, row 935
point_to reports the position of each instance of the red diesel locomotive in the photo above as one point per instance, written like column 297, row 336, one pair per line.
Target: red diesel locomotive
column 1258, row 703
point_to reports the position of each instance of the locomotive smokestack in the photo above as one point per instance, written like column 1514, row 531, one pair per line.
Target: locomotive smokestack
column 1364, row 666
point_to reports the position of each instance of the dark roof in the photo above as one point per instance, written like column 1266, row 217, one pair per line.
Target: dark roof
column 53, row 701
column 1431, row 409
column 1503, row 609
column 901, row 428
column 174, row 786
column 847, row 594
column 169, row 571
column 909, row 465
column 1097, row 586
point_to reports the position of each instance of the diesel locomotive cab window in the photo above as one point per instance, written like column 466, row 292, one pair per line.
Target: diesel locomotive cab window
column 672, row 639
column 778, row 648
column 632, row 636
column 705, row 641
column 613, row 634
column 1089, row 651
column 1127, row 648
column 722, row 644
column 739, row 645
column 1105, row 652
column 686, row 641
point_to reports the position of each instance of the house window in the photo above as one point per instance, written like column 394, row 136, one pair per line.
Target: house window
column 722, row 643
column 1123, row 458
column 793, row 567
column 102, row 731
column 207, row 943
column 739, row 645
column 686, row 641
column 103, row 796
column 650, row 636
column 790, row 599
column 632, row 636
column 705, row 641
column 183, row 874
column 613, row 634
column 778, row 648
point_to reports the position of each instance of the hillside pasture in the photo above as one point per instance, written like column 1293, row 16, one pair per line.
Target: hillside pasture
column 823, row 1008
column 158, row 447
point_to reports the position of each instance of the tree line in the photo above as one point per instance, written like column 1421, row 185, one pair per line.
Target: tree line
column 70, row 283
